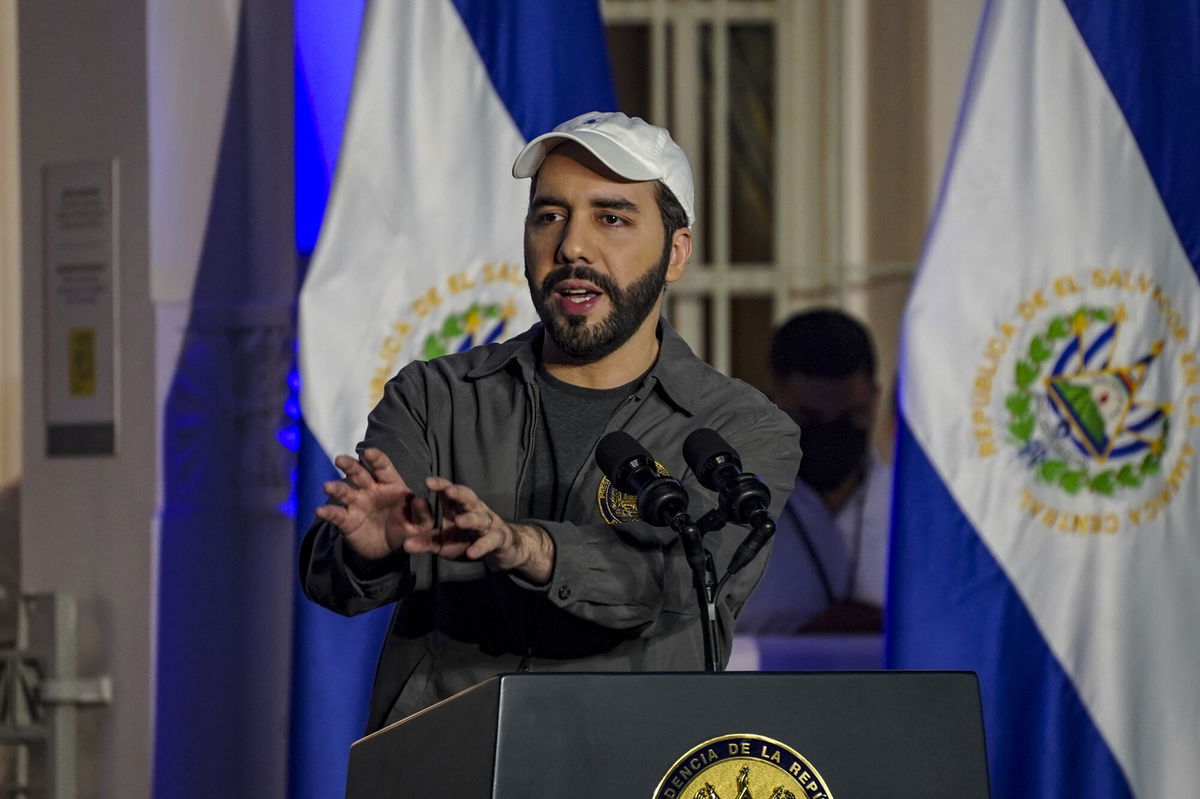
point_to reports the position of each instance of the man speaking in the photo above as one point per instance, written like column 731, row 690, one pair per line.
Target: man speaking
column 475, row 504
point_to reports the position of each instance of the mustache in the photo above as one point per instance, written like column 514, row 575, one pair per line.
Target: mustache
column 579, row 272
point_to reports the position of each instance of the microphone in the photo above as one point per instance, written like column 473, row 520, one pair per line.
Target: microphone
column 718, row 467
column 660, row 500
column 744, row 498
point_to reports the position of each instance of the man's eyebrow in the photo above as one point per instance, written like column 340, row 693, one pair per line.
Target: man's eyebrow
column 606, row 203
column 616, row 204
column 541, row 200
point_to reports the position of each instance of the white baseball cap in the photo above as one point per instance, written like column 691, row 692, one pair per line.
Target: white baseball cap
column 629, row 146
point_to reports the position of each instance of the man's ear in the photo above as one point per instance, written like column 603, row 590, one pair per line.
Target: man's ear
column 681, row 253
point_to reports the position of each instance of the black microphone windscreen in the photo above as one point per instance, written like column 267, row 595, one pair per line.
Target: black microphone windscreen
column 700, row 447
column 615, row 450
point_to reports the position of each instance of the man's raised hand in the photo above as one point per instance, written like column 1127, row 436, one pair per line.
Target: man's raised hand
column 377, row 511
column 470, row 529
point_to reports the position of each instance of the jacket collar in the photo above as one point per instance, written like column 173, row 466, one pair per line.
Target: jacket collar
column 677, row 372
column 518, row 350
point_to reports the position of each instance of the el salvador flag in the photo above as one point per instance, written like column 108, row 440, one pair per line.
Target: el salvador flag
column 419, row 254
column 1047, row 512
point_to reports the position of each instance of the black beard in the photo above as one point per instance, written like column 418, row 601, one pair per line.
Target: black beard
column 630, row 307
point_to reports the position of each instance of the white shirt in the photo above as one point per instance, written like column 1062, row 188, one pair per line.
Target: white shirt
column 850, row 550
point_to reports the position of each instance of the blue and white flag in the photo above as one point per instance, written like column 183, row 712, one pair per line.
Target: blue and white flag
column 420, row 254
column 1048, row 482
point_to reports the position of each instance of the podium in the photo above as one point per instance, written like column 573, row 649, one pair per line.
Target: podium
column 829, row 735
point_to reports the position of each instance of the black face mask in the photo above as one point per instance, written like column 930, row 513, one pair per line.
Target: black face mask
column 832, row 451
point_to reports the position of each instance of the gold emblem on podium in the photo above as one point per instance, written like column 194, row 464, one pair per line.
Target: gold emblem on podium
column 742, row 766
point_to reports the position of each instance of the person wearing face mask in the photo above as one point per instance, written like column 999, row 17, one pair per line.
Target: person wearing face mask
column 827, row 571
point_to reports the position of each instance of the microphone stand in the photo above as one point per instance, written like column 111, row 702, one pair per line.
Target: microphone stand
column 704, row 579
column 707, row 587
column 704, row 572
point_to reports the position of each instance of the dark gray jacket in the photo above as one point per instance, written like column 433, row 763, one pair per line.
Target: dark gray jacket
column 621, row 595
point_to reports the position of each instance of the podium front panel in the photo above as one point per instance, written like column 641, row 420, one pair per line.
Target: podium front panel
column 872, row 735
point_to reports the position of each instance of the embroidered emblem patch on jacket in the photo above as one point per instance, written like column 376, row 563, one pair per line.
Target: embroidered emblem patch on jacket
column 616, row 506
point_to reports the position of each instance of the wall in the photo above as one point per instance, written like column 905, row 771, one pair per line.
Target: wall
column 193, row 101
column 86, row 521
column 10, row 325
column 10, row 250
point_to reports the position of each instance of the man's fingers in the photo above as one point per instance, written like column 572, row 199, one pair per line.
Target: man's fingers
column 334, row 514
column 381, row 466
column 345, row 462
column 438, row 484
column 484, row 545
column 469, row 527
column 374, row 468
column 418, row 544
column 482, row 520
column 461, row 496
column 339, row 491
column 354, row 471
column 465, row 496
column 493, row 532
column 462, row 508
column 447, row 543
column 421, row 513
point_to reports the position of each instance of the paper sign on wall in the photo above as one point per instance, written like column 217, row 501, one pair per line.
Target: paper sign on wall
column 79, row 220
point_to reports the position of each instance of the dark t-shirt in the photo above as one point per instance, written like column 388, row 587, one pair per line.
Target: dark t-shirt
column 571, row 421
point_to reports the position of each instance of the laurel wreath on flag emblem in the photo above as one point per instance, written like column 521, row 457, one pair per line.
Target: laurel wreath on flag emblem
column 1079, row 414
column 478, row 324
